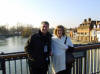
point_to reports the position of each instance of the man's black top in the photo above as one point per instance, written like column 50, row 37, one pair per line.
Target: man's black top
column 38, row 48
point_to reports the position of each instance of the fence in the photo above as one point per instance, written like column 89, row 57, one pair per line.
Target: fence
column 86, row 61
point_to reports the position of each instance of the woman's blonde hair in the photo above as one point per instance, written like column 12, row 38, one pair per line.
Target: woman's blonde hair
column 59, row 26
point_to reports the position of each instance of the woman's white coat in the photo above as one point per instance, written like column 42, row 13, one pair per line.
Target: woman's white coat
column 58, row 52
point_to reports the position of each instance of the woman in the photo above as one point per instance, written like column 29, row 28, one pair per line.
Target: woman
column 58, row 50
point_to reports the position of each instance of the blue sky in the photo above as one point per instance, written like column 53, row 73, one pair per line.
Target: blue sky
column 69, row 13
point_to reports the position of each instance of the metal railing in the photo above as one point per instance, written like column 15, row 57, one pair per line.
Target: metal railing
column 14, row 63
column 87, row 61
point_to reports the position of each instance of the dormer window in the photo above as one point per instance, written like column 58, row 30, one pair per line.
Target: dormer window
column 98, row 26
column 94, row 26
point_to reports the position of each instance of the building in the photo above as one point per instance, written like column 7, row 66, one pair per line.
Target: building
column 87, row 31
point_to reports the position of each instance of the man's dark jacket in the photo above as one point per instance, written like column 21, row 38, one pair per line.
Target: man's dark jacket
column 35, row 50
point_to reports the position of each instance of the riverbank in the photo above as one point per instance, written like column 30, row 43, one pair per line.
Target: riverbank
column 78, row 42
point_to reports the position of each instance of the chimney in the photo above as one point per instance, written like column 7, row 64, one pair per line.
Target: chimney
column 89, row 20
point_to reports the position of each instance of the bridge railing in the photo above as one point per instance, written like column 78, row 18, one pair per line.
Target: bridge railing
column 87, row 61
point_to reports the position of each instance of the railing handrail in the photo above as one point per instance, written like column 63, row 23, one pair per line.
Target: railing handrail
column 8, row 56
column 87, row 47
column 23, row 54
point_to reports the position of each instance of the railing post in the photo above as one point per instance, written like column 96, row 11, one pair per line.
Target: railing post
column 2, row 64
column 4, row 68
column 85, row 62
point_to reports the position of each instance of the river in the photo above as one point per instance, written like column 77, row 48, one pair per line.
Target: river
column 12, row 44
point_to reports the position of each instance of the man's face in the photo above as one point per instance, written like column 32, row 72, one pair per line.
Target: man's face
column 44, row 28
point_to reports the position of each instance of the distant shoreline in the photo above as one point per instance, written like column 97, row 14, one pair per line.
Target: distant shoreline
column 5, row 36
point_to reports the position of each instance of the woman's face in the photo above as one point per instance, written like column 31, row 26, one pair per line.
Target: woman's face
column 59, row 32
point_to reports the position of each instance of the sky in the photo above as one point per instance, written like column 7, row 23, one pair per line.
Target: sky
column 69, row 13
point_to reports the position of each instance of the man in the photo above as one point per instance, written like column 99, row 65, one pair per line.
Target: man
column 38, row 48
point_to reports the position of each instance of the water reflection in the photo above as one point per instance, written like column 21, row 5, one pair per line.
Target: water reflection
column 12, row 44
